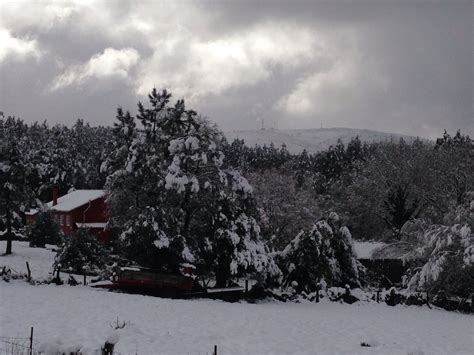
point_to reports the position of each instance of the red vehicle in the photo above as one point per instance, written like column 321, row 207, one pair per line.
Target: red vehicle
column 148, row 281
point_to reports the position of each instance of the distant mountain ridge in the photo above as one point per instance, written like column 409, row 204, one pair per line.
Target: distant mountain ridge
column 313, row 140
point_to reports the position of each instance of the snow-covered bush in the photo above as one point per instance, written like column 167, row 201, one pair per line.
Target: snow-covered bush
column 81, row 252
column 444, row 259
column 144, row 242
column 322, row 255
column 44, row 231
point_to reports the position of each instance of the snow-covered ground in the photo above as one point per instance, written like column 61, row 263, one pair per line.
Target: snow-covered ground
column 40, row 259
column 85, row 316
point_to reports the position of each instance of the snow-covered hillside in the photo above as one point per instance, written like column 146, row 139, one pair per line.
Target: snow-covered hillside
column 67, row 318
column 313, row 140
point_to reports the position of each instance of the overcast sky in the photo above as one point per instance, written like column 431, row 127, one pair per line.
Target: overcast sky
column 395, row 66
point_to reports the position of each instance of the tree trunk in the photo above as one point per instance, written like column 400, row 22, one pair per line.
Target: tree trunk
column 8, row 223
column 222, row 274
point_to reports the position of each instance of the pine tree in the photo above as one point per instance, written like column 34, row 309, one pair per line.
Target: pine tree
column 45, row 230
column 13, row 176
column 173, row 196
column 322, row 255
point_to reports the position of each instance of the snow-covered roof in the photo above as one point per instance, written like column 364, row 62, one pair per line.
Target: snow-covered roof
column 92, row 225
column 75, row 199
column 71, row 201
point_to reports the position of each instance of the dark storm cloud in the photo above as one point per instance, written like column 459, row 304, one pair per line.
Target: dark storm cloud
column 400, row 66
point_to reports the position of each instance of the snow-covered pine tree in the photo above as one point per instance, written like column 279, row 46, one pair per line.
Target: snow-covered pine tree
column 81, row 252
column 44, row 231
column 13, row 177
column 443, row 257
column 322, row 255
column 124, row 132
column 173, row 194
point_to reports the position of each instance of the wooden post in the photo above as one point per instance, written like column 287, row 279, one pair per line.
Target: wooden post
column 57, row 271
column 108, row 348
column 378, row 296
column 215, row 349
column 31, row 339
column 29, row 271
column 317, row 293
column 246, row 286
column 85, row 279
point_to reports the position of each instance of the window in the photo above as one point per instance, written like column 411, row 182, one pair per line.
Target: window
column 61, row 219
column 68, row 220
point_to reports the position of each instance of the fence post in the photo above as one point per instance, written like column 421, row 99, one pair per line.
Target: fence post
column 31, row 339
column 215, row 349
column 246, row 286
column 29, row 271
column 85, row 279
column 378, row 296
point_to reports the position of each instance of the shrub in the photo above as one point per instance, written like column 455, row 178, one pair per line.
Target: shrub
column 44, row 231
column 444, row 259
column 323, row 254
column 81, row 252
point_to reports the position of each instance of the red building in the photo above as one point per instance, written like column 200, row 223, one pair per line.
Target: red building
column 78, row 209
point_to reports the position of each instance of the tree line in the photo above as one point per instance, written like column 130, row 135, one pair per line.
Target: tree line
column 179, row 192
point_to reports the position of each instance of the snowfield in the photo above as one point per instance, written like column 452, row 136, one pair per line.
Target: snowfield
column 84, row 317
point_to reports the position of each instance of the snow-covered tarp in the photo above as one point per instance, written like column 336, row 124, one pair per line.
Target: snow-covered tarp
column 91, row 225
column 365, row 249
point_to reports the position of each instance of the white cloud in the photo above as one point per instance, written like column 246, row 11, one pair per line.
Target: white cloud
column 110, row 63
column 193, row 67
column 18, row 48
column 323, row 91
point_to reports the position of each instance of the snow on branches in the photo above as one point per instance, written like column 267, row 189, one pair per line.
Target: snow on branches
column 172, row 192
column 322, row 255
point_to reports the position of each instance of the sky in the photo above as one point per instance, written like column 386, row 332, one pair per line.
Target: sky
column 397, row 66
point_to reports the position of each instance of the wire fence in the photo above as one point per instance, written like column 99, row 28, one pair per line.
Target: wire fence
column 17, row 346
column 30, row 346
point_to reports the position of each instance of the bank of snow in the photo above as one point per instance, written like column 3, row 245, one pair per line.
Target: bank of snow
column 83, row 316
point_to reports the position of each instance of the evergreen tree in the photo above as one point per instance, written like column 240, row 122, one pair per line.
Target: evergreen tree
column 81, row 252
column 322, row 255
column 45, row 230
column 174, row 192
column 13, row 176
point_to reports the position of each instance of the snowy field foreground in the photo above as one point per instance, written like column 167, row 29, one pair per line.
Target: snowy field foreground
column 84, row 317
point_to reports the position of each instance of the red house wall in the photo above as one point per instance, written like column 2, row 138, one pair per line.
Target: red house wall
column 95, row 212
